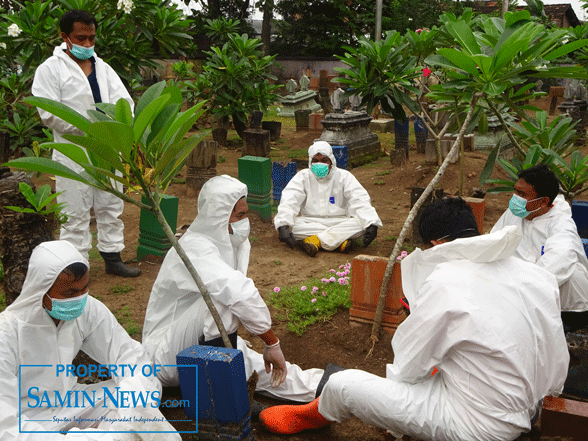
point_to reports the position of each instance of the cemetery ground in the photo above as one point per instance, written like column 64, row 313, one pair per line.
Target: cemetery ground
column 274, row 264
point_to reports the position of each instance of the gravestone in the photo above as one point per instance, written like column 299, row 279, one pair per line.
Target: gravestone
column 301, row 100
column 213, row 381
column 282, row 172
column 256, row 173
column 201, row 165
column 349, row 128
column 256, row 142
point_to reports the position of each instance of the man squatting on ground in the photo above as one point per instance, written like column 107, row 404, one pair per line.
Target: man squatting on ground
column 488, row 321
column 77, row 77
column 325, row 207
column 51, row 320
column 217, row 245
column 550, row 239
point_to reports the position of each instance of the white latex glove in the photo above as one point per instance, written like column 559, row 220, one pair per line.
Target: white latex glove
column 273, row 357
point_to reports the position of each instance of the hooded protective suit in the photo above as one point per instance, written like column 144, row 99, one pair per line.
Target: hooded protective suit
column 489, row 322
column 177, row 316
column 335, row 207
column 61, row 79
column 29, row 336
column 552, row 242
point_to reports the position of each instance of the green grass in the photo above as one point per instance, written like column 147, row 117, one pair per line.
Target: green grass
column 277, row 262
column 1, row 272
column 179, row 180
column 94, row 254
column 121, row 289
column 124, row 318
column 384, row 173
column 222, row 158
column 2, row 301
column 298, row 153
column 253, row 239
column 379, row 182
column 298, row 306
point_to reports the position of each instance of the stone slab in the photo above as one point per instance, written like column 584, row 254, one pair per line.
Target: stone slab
column 382, row 125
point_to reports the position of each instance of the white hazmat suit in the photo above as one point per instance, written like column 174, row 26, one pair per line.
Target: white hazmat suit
column 490, row 324
column 335, row 208
column 552, row 242
column 61, row 79
column 29, row 336
column 177, row 316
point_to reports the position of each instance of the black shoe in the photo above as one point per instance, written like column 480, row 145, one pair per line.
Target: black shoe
column 329, row 370
column 114, row 265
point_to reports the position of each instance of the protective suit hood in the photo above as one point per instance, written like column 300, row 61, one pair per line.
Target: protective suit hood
column 47, row 261
column 215, row 204
column 324, row 148
column 417, row 267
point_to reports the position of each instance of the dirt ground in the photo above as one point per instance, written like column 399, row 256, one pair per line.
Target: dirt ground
column 336, row 340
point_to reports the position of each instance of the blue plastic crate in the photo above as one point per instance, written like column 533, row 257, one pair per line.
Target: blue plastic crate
column 401, row 135
column 282, row 172
column 580, row 216
column 340, row 152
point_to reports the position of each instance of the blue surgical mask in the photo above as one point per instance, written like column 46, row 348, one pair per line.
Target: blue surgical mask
column 240, row 232
column 81, row 52
column 320, row 170
column 518, row 206
column 67, row 309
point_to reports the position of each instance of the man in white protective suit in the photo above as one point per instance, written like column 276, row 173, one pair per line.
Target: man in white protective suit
column 51, row 320
column 217, row 245
column 550, row 239
column 481, row 348
column 76, row 77
column 325, row 207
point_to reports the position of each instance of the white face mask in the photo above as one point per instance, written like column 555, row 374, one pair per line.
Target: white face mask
column 240, row 232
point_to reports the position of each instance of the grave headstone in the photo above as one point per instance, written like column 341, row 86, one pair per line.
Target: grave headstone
column 256, row 173
column 222, row 407
column 282, row 172
column 201, row 165
column 302, row 100
column 256, row 142
column 152, row 238
column 340, row 153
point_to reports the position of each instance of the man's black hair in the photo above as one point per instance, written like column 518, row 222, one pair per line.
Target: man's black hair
column 449, row 219
column 78, row 270
column 76, row 16
column 543, row 181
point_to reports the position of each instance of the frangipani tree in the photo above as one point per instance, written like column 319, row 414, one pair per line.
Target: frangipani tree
column 118, row 147
column 486, row 63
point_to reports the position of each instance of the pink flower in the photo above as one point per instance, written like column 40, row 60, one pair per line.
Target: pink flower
column 317, row 309
column 332, row 279
column 341, row 266
column 325, row 280
column 347, row 266
column 404, row 254
column 324, row 294
column 341, row 281
column 340, row 274
column 303, row 288
column 313, row 301
column 332, row 270
column 276, row 289
column 418, row 31
column 426, row 72
column 314, row 289
column 346, row 272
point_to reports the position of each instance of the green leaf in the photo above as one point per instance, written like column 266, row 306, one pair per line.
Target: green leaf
column 42, row 192
column 94, row 147
column 489, row 166
column 46, row 165
column 148, row 96
column 146, row 117
column 28, row 193
column 565, row 49
column 114, row 133
column 122, row 112
column 59, row 110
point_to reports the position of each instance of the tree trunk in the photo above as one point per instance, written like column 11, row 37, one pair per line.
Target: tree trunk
column 266, row 25
column 20, row 233
column 239, row 125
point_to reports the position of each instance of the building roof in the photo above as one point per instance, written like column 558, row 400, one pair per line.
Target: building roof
column 563, row 14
